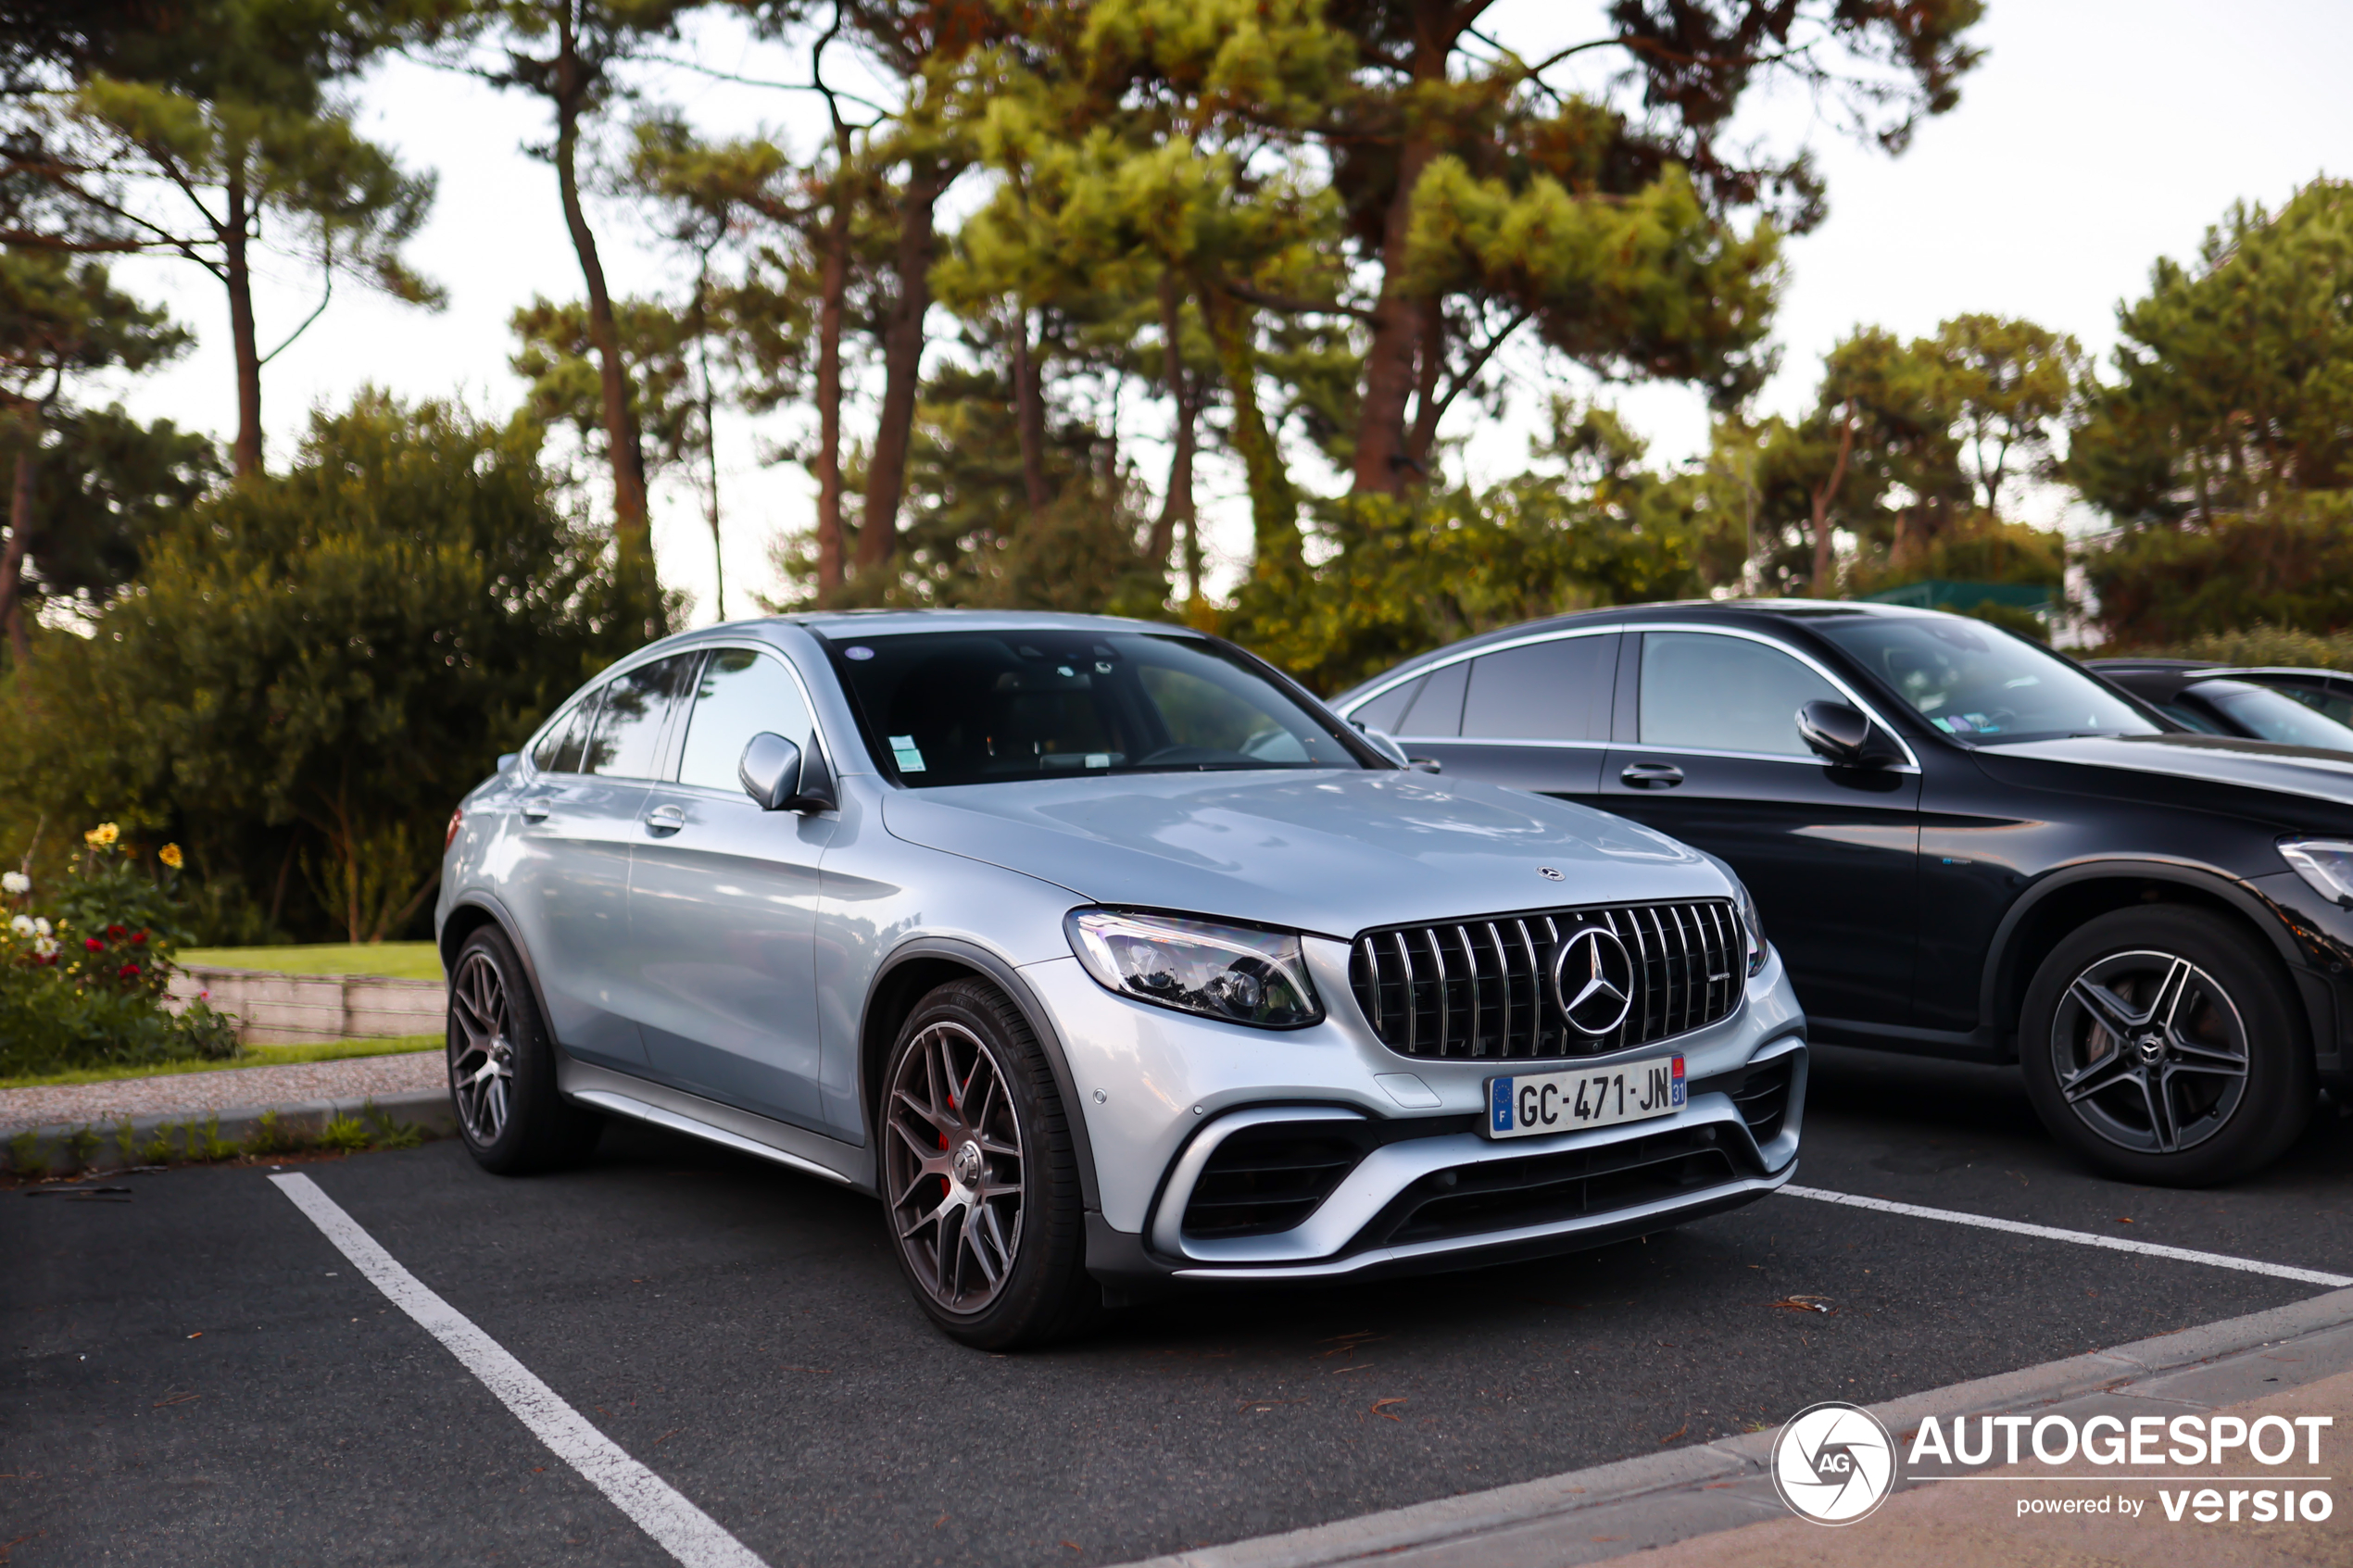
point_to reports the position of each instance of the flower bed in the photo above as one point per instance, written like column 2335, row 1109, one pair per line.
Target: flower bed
column 84, row 967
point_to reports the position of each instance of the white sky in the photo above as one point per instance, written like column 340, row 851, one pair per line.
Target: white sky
column 2097, row 136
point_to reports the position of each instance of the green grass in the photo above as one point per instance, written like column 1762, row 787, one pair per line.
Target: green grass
column 399, row 960
column 252, row 1056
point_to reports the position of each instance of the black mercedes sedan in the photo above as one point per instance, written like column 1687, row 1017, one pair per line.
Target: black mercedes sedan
column 1963, row 843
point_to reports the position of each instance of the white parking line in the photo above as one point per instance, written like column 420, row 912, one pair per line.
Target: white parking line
column 684, row 1531
column 2081, row 1238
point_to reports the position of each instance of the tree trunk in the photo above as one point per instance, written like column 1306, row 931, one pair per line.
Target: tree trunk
column 1274, row 510
column 834, row 288
column 902, row 364
column 245, row 456
column 633, row 533
column 709, row 436
column 1431, row 346
column 1821, row 585
column 1029, row 417
column 1177, row 505
column 19, row 538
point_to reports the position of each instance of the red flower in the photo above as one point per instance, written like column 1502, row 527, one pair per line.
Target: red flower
column 128, row 971
column 92, row 944
column 117, row 933
column 137, row 938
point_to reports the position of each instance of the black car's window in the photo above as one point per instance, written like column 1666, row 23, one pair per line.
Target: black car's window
column 626, row 742
column 1978, row 682
column 2271, row 715
column 1713, row 693
column 559, row 750
column 1384, row 710
column 741, row 695
column 1439, row 709
column 951, row 707
column 1545, row 691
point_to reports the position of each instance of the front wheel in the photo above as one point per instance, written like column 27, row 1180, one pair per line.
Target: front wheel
column 2166, row 1047
column 980, row 1178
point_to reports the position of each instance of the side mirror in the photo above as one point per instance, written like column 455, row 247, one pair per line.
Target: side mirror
column 1840, row 734
column 782, row 777
column 508, row 759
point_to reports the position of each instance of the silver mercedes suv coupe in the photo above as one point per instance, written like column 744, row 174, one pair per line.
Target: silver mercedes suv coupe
column 1106, row 957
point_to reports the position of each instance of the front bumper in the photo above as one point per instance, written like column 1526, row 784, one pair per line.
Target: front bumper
column 1353, row 1161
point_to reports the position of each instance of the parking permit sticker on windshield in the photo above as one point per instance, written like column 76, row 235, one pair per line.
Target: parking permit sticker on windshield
column 904, row 752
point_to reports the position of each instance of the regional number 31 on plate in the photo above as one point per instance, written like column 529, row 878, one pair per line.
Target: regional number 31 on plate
column 1536, row 1103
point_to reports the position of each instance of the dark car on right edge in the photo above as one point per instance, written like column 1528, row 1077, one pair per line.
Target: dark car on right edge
column 1965, row 847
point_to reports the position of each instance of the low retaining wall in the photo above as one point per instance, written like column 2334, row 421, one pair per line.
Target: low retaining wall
column 275, row 1009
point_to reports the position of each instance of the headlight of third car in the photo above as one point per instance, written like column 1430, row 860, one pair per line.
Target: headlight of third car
column 1234, row 973
column 1753, row 923
column 2326, row 863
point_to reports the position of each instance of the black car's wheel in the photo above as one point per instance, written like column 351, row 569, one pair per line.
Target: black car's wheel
column 980, row 1181
column 502, row 1066
column 2166, row 1047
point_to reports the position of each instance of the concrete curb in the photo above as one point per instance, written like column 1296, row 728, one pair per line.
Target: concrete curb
column 429, row 1109
column 1688, row 1491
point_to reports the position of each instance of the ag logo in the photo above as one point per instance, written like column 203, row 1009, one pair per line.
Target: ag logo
column 1593, row 980
column 1833, row 1463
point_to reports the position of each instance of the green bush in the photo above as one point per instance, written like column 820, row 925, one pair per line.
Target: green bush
column 83, row 971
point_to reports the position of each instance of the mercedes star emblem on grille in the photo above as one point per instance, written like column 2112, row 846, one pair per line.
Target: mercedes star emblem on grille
column 1594, row 980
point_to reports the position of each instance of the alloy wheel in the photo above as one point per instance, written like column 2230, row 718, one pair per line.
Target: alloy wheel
column 954, row 1165
column 2149, row 1051
column 481, row 1051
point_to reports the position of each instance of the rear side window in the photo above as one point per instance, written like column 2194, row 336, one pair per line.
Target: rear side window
column 626, row 741
column 1725, row 694
column 1546, row 691
column 741, row 694
column 1437, row 709
column 560, row 750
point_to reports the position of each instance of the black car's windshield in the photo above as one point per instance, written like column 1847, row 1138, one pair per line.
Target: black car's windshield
column 1977, row 683
column 955, row 708
column 2272, row 715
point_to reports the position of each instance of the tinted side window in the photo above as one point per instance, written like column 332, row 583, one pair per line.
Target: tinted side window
column 741, row 695
column 1439, row 709
column 560, row 750
column 1384, row 710
column 1725, row 694
column 626, row 742
column 1547, row 690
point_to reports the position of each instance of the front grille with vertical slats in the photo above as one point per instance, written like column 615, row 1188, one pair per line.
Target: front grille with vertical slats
column 1483, row 989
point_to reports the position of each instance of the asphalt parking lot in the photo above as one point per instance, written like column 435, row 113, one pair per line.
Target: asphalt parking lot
column 201, row 1377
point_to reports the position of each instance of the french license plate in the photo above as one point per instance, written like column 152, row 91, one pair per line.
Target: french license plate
column 1536, row 1103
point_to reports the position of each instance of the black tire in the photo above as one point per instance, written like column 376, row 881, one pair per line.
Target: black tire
column 2166, row 1047
column 979, row 1175
column 512, row 1116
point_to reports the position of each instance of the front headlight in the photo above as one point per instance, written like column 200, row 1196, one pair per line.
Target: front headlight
column 1753, row 923
column 1232, row 973
column 2326, row 863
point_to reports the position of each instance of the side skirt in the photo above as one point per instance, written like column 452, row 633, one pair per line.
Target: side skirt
column 618, row 1093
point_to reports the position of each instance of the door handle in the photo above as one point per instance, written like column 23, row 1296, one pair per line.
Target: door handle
column 1652, row 775
column 535, row 810
column 665, row 818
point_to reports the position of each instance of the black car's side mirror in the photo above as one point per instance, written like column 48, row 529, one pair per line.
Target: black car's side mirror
column 1841, row 734
column 782, row 777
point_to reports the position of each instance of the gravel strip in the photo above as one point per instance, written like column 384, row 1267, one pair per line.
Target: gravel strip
column 200, row 1094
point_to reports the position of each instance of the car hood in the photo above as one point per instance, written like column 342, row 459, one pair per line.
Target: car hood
column 2207, row 760
column 1334, row 852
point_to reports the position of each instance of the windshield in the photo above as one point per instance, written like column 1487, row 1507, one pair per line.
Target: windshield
column 955, row 708
column 1978, row 682
column 2273, row 715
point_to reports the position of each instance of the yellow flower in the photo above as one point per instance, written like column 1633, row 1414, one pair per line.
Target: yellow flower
column 102, row 835
column 169, row 856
